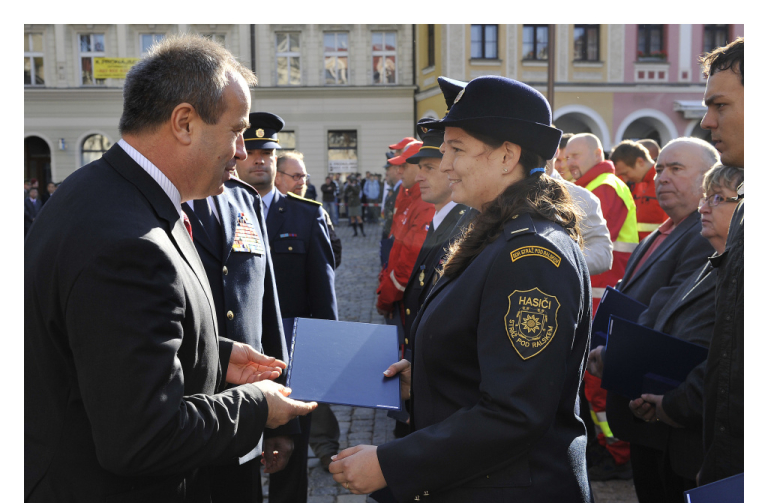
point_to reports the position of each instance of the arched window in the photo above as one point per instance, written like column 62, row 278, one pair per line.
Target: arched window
column 94, row 147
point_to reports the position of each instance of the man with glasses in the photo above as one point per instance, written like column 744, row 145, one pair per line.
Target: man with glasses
column 303, row 259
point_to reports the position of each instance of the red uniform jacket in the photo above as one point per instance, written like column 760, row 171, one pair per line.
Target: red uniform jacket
column 409, row 228
column 648, row 210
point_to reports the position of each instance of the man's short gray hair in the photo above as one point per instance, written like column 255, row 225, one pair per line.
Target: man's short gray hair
column 182, row 68
column 709, row 154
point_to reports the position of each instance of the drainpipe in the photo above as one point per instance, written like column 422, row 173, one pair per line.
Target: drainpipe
column 253, row 48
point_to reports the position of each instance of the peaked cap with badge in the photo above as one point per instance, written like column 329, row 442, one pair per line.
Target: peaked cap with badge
column 504, row 109
column 431, row 141
column 263, row 131
column 451, row 88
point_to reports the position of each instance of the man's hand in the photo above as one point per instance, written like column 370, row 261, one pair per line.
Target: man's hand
column 643, row 410
column 277, row 452
column 281, row 408
column 386, row 314
column 246, row 365
column 595, row 362
column 358, row 469
column 403, row 367
column 662, row 416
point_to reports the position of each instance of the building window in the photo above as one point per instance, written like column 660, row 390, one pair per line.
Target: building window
column 342, row 151
column 586, row 42
column 384, row 49
column 430, row 45
column 286, row 140
column 336, row 57
column 715, row 35
column 94, row 147
column 91, row 46
column 484, row 45
column 288, row 59
column 33, row 60
column 148, row 40
column 535, row 42
column 650, row 42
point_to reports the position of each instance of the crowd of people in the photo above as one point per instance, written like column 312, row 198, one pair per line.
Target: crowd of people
column 499, row 237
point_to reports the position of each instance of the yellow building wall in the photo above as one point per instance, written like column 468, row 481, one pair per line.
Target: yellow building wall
column 598, row 74
column 422, row 56
column 486, row 67
column 602, row 103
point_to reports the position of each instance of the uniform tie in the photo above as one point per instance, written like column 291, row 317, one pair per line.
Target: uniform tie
column 187, row 225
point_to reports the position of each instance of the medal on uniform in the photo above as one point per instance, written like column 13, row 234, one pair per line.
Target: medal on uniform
column 421, row 276
column 246, row 238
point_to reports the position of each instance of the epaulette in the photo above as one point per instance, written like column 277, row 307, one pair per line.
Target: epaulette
column 303, row 199
column 520, row 225
column 245, row 185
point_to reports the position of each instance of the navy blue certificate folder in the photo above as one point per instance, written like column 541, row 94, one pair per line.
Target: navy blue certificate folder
column 641, row 360
column 342, row 363
column 613, row 303
column 730, row 490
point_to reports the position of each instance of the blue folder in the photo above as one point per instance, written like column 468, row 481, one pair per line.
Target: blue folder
column 730, row 490
column 342, row 362
column 641, row 360
column 617, row 303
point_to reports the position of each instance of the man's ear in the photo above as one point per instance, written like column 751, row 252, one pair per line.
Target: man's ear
column 182, row 117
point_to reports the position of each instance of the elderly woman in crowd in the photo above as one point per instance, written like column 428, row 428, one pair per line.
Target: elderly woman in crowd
column 501, row 341
column 690, row 315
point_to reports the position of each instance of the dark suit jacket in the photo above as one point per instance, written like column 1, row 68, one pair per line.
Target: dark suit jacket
column 421, row 280
column 689, row 315
column 301, row 253
column 683, row 253
column 121, row 360
column 499, row 355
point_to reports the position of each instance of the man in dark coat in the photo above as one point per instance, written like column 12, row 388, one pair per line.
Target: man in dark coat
column 300, row 248
column 657, row 267
column 230, row 238
column 124, row 371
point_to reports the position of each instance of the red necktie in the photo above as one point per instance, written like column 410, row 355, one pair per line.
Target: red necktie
column 187, row 225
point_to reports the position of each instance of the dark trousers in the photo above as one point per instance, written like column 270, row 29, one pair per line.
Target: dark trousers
column 236, row 482
column 655, row 481
column 289, row 485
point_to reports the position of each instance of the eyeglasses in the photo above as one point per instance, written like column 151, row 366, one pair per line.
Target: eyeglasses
column 296, row 177
column 716, row 200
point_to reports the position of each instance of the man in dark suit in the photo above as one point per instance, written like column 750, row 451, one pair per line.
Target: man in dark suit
column 435, row 189
column 124, row 371
column 301, row 252
column 657, row 267
column 231, row 240
column 32, row 206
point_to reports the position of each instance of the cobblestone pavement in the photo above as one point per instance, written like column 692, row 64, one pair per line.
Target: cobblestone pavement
column 356, row 281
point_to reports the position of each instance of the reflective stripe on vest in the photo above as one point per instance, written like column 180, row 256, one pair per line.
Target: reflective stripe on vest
column 600, row 419
column 643, row 227
column 627, row 239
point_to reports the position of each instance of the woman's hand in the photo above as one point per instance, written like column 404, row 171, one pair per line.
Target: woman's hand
column 403, row 367
column 358, row 469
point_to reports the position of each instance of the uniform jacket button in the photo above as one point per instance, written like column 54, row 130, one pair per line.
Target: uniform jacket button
column 225, row 270
column 230, row 315
column 408, row 312
column 290, row 248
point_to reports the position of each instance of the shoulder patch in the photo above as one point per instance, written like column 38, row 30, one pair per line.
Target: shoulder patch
column 531, row 321
column 291, row 195
column 536, row 251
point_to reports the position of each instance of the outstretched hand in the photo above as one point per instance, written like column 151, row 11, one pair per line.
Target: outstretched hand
column 246, row 365
column 358, row 469
column 403, row 367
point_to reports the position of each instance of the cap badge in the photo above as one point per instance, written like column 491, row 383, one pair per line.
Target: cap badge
column 424, row 129
column 458, row 96
column 259, row 133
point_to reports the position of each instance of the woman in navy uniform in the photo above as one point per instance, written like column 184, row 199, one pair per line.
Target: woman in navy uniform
column 501, row 341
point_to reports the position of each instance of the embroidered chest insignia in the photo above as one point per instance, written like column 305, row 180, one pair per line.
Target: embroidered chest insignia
column 246, row 238
column 531, row 321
